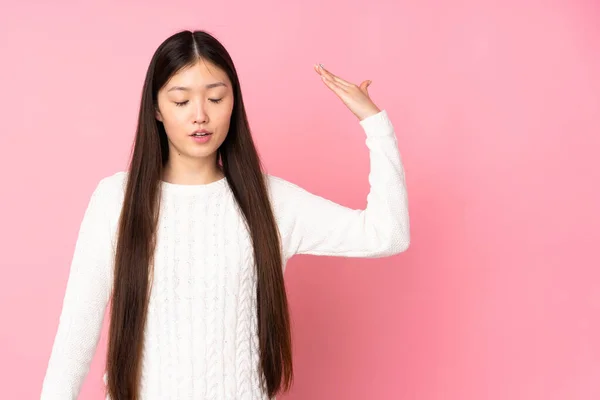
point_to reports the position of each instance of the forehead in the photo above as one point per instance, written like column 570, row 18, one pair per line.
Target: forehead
column 198, row 75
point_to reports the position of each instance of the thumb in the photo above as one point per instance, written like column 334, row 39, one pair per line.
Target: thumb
column 364, row 87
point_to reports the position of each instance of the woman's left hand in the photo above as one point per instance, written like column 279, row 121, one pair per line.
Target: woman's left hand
column 356, row 98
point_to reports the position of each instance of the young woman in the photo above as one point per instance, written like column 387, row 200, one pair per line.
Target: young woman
column 191, row 242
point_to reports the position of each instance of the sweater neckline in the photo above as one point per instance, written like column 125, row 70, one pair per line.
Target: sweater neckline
column 204, row 188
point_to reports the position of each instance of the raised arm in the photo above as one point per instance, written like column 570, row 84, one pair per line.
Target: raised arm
column 87, row 292
column 314, row 225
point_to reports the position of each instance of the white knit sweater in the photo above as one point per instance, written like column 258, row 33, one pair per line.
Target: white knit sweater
column 201, row 329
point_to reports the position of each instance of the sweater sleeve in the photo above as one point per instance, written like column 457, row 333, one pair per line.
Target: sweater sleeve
column 317, row 226
column 87, row 292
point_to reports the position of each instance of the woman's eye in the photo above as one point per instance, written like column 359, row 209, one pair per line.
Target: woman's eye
column 183, row 103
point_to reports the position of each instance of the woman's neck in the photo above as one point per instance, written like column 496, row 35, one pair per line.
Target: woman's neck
column 192, row 175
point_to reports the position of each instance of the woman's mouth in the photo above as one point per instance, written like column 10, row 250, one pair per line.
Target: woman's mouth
column 201, row 137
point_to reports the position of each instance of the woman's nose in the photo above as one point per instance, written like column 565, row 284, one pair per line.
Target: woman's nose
column 200, row 115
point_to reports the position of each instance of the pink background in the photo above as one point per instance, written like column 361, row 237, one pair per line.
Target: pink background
column 497, row 110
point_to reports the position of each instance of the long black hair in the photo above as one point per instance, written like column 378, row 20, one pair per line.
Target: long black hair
column 137, row 227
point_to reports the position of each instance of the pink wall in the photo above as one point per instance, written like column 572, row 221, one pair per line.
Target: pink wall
column 497, row 108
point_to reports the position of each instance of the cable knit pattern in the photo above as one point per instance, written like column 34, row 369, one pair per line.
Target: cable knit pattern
column 201, row 338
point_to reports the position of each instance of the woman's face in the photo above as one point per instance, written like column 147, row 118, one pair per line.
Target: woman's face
column 197, row 98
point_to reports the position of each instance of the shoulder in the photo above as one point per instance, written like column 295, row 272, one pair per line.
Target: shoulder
column 281, row 194
column 115, row 180
column 110, row 190
column 282, row 191
column 112, row 184
column 276, row 184
column 289, row 198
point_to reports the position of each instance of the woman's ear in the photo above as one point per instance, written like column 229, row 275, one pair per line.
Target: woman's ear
column 157, row 114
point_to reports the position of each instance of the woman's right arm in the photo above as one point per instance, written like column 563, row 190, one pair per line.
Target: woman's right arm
column 87, row 292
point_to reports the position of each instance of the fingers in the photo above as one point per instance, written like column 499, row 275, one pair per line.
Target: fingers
column 322, row 71
column 329, row 81
column 336, row 87
column 339, row 86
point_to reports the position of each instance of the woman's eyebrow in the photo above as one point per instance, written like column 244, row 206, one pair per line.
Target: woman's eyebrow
column 209, row 86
